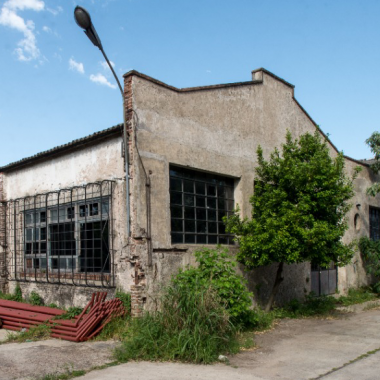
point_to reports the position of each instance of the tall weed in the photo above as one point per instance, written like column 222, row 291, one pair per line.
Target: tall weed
column 193, row 326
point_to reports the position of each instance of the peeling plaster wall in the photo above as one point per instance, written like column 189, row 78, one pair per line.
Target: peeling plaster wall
column 89, row 164
column 101, row 160
column 218, row 130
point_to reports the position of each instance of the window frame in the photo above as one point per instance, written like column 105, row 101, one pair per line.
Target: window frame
column 198, row 202
column 374, row 217
column 67, row 214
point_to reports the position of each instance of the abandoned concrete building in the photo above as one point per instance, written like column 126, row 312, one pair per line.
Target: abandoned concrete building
column 69, row 223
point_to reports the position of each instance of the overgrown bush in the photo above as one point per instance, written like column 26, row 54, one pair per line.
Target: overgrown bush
column 35, row 299
column 71, row 313
column 192, row 326
column 370, row 251
column 16, row 296
column 217, row 269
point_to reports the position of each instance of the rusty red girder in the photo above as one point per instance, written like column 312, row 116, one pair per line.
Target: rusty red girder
column 97, row 313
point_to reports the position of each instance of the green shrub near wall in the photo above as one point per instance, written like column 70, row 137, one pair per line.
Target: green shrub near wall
column 217, row 269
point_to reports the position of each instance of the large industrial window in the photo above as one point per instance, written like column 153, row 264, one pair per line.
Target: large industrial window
column 198, row 203
column 63, row 236
column 374, row 223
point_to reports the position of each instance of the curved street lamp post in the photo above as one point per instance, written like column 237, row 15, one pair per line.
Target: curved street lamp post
column 83, row 19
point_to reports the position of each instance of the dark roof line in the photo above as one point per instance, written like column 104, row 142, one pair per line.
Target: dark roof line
column 368, row 161
column 190, row 89
column 274, row 76
column 63, row 148
column 360, row 162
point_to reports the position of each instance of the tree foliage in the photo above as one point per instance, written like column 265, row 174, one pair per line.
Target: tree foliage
column 374, row 143
column 299, row 205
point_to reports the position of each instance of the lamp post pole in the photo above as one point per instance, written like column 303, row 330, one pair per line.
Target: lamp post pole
column 83, row 19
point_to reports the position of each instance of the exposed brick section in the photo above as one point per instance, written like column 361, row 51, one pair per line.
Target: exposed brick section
column 128, row 102
column 137, row 300
column 3, row 279
column 137, row 246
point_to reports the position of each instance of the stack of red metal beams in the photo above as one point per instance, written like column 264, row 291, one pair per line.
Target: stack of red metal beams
column 97, row 313
column 18, row 315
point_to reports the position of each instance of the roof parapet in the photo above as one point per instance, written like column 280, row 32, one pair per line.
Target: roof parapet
column 258, row 75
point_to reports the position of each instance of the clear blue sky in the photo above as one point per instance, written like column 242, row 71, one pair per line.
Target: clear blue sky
column 54, row 88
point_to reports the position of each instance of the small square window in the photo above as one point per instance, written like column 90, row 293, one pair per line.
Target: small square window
column 70, row 213
column 94, row 209
column 43, row 217
column 29, row 234
column 83, row 210
column 29, row 219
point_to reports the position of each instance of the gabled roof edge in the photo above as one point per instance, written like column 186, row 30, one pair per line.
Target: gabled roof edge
column 360, row 162
column 63, row 148
column 190, row 89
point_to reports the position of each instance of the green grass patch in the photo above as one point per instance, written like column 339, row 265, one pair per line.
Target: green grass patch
column 71, row 313
column 125, row 298
column 356, row 296
column 16, row 296
column 63, row 376
column 116, row 329
column 312, row 307
column 39, row 332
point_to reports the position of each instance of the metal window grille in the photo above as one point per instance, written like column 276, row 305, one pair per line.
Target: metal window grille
column 198, row 203
column 62, row 237
column 374, row 223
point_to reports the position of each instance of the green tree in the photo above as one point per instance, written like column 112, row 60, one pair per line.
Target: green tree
column 374, row 143
column 298, row 209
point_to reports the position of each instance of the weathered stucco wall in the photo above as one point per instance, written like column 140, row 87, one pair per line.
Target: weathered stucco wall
column 354, row 275
column 98, row 161
column 215, row 129
column 89, row 164
column 218, row 130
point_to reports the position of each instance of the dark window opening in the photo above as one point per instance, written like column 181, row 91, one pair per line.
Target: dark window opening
column 374, row 223
column 63, row 237
column 198, row 203
column 94, row 247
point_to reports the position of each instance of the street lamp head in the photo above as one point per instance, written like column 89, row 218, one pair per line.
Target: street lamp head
column 82, row 17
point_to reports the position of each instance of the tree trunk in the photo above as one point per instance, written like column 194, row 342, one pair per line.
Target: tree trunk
column 276, row 285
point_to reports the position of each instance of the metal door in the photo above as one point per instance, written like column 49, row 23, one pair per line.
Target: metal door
column 324, row 280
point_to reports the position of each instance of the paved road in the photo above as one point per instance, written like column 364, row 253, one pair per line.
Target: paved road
column 332, row 349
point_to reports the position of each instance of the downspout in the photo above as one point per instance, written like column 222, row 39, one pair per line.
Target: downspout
column 126, row 152
column 126, row 160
